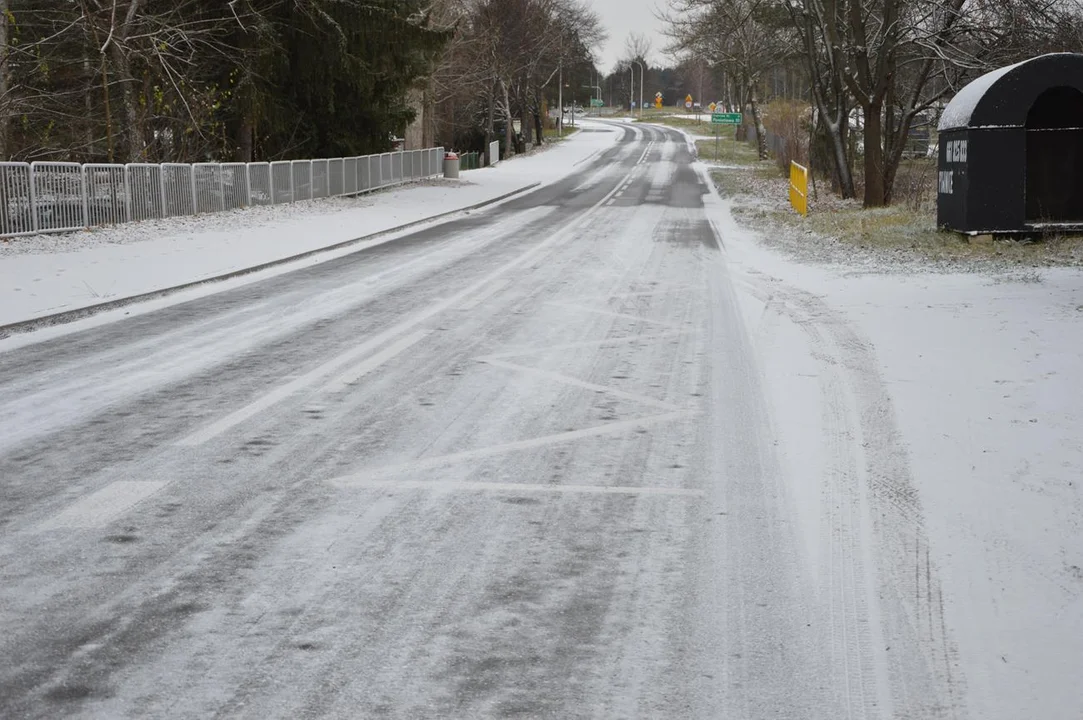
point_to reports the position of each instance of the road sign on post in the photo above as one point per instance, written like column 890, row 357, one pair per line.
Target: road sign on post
column 725, row 118
column 688, row 103
column 597, row 102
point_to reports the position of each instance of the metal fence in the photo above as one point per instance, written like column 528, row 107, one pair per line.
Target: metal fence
column 43, row 197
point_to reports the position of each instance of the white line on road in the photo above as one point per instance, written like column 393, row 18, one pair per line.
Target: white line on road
column 312, row 377
column 357, row 372
column 281, row 393
column 444, row 485
column 481, row 297
column 584, row 344
column 99, row 508
column 574, row 382
column 610, row 313
column 622, row 296
column 615, row 428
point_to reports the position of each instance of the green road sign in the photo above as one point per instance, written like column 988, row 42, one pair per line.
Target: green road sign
column 597, row 102
column 726, row 118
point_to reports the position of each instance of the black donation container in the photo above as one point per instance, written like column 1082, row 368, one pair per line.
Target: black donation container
column 1011, row 150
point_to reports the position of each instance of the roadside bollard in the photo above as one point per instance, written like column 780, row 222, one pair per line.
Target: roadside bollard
column 451, row 166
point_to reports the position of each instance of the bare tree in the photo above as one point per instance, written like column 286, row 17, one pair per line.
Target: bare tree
column 744, row 37
column 5, row 83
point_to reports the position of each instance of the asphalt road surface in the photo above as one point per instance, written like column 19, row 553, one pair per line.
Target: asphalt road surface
column 515, row 465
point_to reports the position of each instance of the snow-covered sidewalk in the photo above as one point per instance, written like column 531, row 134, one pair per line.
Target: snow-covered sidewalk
column 46, row 275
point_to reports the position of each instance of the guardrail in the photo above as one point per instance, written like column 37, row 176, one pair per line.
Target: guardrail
column 50, row 197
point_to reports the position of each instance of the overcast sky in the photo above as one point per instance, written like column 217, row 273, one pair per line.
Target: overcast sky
column 624, row 17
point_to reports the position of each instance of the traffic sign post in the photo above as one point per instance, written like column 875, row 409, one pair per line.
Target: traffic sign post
column 718, row 119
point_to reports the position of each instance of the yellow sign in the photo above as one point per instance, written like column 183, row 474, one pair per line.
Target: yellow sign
column 658, row 102
column 688, row 99
column 799, row 188
column 712, row 106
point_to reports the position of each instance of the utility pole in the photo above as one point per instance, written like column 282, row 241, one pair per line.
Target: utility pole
column 632, row 92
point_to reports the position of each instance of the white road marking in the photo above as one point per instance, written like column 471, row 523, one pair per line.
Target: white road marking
column 351, row 376
column 574, row 382
column 101, row 507
column 610, row 313
column 312, row 377
column 584, row 344
column 281, row 393
column 622, row 296
column 614, row 428
column 481, row 297
column 514, row 488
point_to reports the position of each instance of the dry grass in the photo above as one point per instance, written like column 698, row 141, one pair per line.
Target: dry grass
column 843, row 232
column 730, row 152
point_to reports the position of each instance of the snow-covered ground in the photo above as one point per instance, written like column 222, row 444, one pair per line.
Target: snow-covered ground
column 964, row 390
column 50, row 274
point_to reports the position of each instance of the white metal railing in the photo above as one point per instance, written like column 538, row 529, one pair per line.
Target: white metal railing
column 259, row 184
column 45, row 197
column 145, row 198
column 178, row 189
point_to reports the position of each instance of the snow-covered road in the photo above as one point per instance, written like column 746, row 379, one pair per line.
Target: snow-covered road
column 571, row 456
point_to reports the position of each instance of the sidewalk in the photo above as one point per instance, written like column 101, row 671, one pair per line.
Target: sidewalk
column 48, row 274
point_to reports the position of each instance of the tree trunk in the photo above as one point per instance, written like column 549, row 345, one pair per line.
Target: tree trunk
column 843, row 176
column 5, row 113
column 757, row 121
column 134, row 129
column 509, row 130
column 874, row 156
column 243, row 140
column 524, row 123
column 490, row 127
column 539, row 127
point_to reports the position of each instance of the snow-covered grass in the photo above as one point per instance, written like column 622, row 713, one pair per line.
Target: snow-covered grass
column 47, row 274
column 683, row 122
column 901, row 236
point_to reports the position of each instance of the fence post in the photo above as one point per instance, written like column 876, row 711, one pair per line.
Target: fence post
column 192, row 178
column 247, row 187
column 84, row 196
column 161, row 185
column 127, row 196
column 221, row 187
column 33, row 200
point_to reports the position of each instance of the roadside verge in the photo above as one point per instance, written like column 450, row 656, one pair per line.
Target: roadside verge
column 371, row 240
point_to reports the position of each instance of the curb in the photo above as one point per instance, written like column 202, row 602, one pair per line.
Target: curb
column 69, row 316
